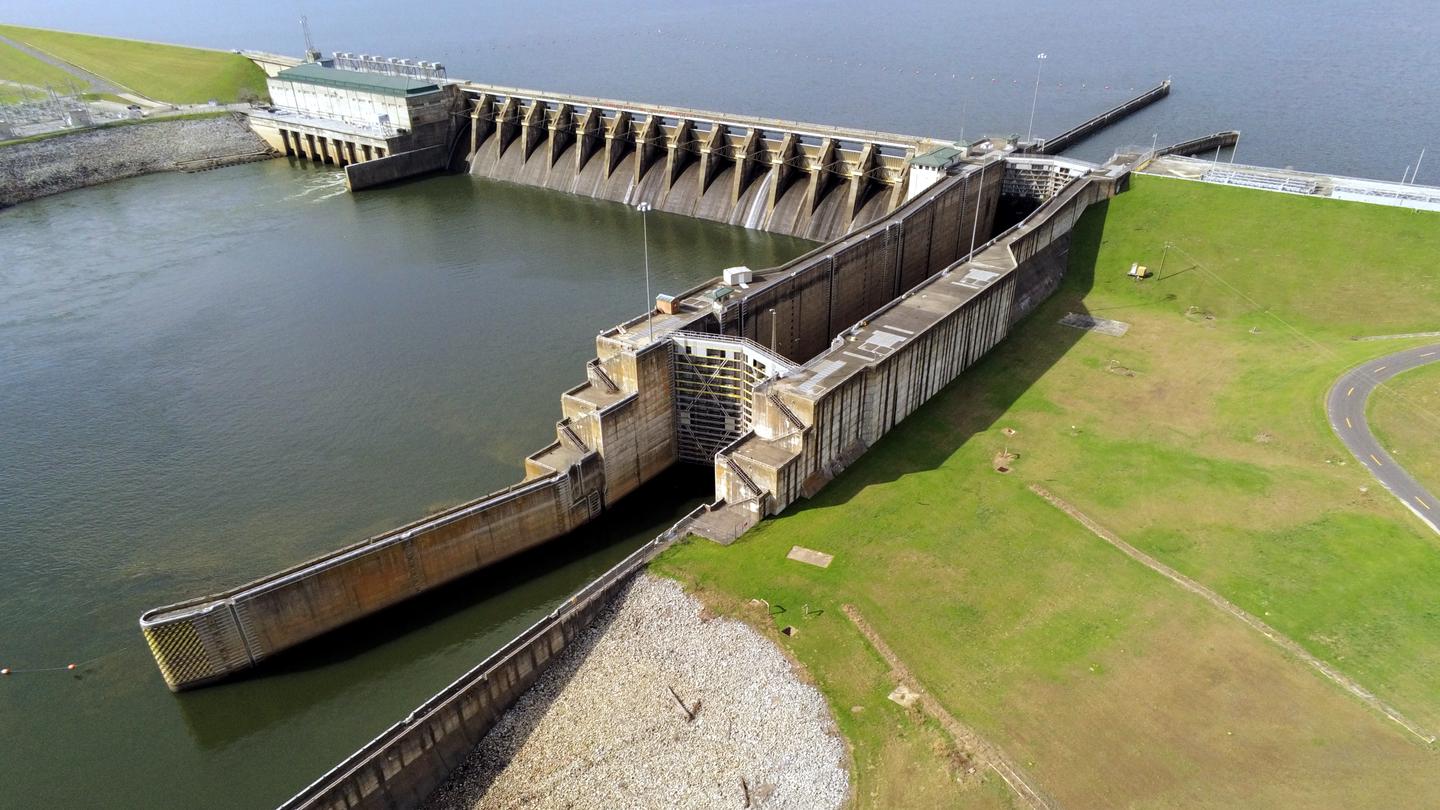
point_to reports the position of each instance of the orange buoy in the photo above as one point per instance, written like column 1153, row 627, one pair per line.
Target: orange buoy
column 69, row 666
column 4, row 670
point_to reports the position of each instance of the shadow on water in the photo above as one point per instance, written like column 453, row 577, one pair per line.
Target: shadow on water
column 502, row 594
column 1045, row 342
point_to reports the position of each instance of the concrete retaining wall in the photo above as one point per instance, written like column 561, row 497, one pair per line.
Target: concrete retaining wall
column 402, row 766
column 811, row 425
column 380, row 171
column 200, row 641
column 567, row 484
column 806, row 303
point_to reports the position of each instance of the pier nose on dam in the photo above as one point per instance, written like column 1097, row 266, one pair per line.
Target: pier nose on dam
column 807, row 180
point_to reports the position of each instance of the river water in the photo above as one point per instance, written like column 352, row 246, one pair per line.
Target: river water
column 204, row 378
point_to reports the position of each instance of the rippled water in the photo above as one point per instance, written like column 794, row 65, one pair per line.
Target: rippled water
column 206, row 377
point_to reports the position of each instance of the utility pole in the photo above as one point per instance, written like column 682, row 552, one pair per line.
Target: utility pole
column 1417, row 166
column 1039, row 65
column 975, row 220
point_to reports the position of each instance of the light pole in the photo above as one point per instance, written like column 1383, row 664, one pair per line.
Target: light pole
column 975, row 218
column 1154, row 143
column 644, row 209
column 1039, row 65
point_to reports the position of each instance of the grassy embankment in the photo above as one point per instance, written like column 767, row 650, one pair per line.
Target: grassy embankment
column 1198, row 437
column 1406, row 419
column 169, row 73
column 18, row 66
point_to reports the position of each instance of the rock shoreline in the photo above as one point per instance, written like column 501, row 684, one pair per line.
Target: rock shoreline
column 603, row 728
column 67, row 162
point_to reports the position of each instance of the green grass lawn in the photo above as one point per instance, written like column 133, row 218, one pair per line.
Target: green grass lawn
column 170, row 73
column 1198, row 437
column 1405, row 416
column 18, row 66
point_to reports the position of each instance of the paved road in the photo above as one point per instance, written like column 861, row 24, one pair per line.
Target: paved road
column 1345, row 407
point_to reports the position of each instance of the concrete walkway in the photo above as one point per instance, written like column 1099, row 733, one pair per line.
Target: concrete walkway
column 1345, row 407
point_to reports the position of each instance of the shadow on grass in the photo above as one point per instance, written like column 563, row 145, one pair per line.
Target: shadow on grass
column 1033, row 346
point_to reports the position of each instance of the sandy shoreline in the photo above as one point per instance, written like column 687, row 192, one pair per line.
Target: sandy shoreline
column 602, row 728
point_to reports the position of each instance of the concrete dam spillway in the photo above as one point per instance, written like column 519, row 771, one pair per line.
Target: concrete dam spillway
column 804, row 180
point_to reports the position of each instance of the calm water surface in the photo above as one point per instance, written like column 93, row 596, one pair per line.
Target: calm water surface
column 206, row 377
column 1333, row 85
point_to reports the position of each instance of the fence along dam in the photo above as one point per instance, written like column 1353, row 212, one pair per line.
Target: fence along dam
column 776, row 379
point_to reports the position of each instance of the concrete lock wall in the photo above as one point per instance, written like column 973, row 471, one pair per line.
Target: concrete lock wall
column 805, row 304
column 811, row 425
column 205, row 639
column 402, row 766
column 198, row 642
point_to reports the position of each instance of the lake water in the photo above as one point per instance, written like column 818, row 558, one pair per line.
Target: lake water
column 1343, row 86
column 204, row 378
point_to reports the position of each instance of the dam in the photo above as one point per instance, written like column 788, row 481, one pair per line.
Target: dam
column 776, row 379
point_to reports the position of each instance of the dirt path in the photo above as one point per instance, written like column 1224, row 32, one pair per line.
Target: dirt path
column 1344, row 681
column 963, row 735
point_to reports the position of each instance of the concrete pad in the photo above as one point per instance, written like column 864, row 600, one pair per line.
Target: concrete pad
column 810, row 556
column 1102, row 325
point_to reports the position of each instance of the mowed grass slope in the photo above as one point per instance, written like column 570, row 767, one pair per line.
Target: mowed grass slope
column 1405, row 416
column 22, row 68
column 1200, row 438
column 170, row 73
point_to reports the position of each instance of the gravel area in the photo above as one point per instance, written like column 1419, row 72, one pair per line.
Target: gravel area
column 601, row 727
column 63, row 163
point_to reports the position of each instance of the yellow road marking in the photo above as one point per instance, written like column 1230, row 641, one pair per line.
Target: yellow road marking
column 1376, row 460
column 1351, row 391
column 1347, row 422
column 1422, row 503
